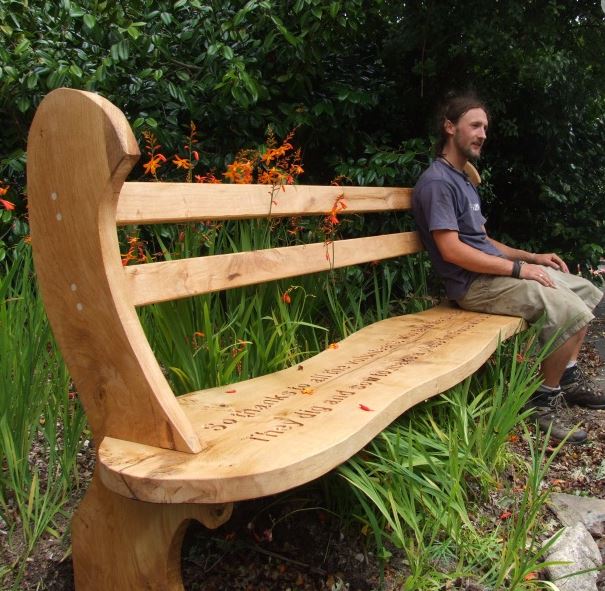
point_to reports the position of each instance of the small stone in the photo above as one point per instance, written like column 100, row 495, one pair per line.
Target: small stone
column 571, row 509
column 577, row 551
column 359, row 557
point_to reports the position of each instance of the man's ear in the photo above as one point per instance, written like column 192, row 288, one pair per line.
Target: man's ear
column 449, row 127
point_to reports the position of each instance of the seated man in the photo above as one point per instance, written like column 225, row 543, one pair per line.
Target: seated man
column 484, row 275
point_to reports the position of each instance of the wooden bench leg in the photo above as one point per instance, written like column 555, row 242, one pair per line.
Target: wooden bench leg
column 120, row 543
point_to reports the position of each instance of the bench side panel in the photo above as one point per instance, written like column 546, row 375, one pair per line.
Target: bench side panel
column 80, row 150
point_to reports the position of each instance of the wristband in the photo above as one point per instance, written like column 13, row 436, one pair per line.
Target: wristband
column 516, row 269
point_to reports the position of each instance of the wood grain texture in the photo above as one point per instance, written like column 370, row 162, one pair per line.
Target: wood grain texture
column 150, row 203
column 126, row 545
column 157, row 282
column 80, row 150
column 275, row 432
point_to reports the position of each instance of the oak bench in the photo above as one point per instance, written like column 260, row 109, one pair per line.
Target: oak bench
column 164, row 460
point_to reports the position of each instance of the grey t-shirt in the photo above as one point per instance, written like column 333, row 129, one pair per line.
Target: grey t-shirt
column 445, row 199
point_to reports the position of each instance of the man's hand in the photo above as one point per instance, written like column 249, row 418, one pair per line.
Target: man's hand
column 537, row 273
column 551, row 260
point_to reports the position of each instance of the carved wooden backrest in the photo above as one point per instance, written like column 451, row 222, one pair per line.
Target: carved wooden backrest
column 80, row 151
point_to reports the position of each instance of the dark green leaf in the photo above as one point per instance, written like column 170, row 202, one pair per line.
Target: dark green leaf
column 90, row 21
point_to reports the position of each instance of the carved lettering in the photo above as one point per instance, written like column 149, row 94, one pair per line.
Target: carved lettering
column 309, row 413
column 281, row 427
column 339, row 397
column 382, row 361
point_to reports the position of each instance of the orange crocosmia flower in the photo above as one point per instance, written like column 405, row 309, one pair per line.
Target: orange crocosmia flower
column 271, row 177
column 520, row 358
column 197, row 335
column 339, row 205
column 184, row 163
column 7, row 204
column 333, row 346
column 275, row 153
column 208, row 178
column 3, row 191
column 151, row 166
column 154, row 163
column 239, row 172
column 126, row 258
column 286, row 298
column 135, row 252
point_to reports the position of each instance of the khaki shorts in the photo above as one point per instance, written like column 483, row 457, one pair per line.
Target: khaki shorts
column 568, row 308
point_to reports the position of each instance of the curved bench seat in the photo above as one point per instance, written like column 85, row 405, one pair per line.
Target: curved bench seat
column 272, row 433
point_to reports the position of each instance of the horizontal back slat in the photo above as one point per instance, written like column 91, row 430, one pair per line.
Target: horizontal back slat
column 169, row 280
column 152, row 203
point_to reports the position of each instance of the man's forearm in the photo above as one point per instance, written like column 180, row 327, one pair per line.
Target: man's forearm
column 513, row 253
column 454, row 251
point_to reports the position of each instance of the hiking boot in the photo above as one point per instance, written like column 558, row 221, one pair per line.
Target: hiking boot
column 579, row 389
column 547, row 412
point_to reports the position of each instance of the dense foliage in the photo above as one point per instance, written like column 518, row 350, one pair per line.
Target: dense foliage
column 358, row 79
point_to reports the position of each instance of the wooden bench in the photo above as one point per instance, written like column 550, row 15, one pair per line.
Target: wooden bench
column 164, row 460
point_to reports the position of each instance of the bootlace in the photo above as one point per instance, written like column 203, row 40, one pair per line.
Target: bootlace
column 584, row 380
column 557, row 402
column 581, row 376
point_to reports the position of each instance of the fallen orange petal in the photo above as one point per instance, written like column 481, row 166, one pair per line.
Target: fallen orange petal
column 307, row 390
column 530, row 577
column 231, row 391
column 364, row 407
